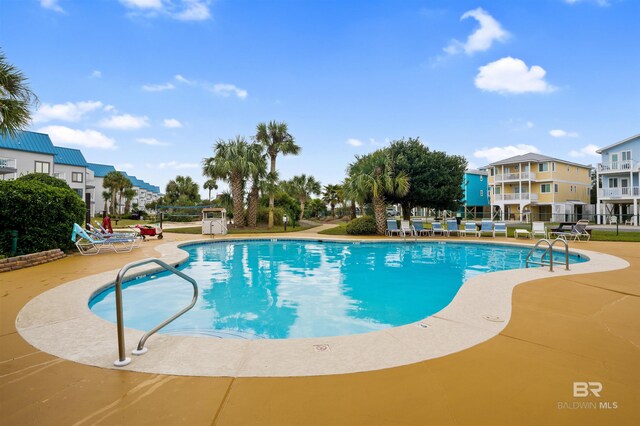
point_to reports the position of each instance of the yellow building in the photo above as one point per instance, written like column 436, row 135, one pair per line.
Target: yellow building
column 536, row 187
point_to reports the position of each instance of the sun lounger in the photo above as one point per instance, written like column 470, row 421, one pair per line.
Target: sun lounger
column 500, row 228
column 470, row 228
column 521, row 233
column 486, row 226
column 89, row 245
column 578, row 232
column 452, row 226
column 392, row 228
column 436, row 228
column 405, row 227
column 419, row 230
column 538, row 228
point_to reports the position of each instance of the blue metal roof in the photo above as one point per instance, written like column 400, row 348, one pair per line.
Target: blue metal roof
column 28, row 141
column 100, row 170
column 136, row 182
column 69, row 156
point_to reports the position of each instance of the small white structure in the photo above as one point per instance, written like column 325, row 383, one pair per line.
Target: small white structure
column 214, row 221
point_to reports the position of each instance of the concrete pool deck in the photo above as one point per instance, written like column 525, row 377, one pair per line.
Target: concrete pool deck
column 563, row 329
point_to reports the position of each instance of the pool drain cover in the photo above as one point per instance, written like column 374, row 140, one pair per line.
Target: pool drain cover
column 493, row 318
column 322, row 348
column 423, row 325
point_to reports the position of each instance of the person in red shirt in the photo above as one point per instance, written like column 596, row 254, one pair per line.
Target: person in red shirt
column 106, row 223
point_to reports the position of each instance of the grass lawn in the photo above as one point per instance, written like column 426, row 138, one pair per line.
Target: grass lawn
column 259, row 230
column 341, row 229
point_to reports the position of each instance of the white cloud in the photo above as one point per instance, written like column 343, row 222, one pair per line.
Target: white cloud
column 529, row 125
column 51, row 5
column 184, row 80
column 354, row 142
column 174, row 165
column 61, row 135
column 110, row 108
column 152, row 142
column 195, row 10
column 585, row 151
column 226, row 90
column 481, row 39
column 559, row 133
column 142, row 4
column 125, row 122
column 498, row 153
column 598, row 2
column 158, row 87
column 70, row 111
column 171, row 123
column 511, row 75
column 96, row 74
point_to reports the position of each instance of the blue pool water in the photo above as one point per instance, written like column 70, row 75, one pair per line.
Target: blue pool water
column 288, row 289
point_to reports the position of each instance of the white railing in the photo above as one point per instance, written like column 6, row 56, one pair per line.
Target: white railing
column 515, row 197
column 515, row 176
column 627, row 191
column 615, row 166
column 8, row 163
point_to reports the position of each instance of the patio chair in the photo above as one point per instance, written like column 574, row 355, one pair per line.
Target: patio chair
column 392, row 228
column 470, row 228
column 452, row 226
column 521, row 232
column 500, row 228
column 578, row 232
column 405, row 227
column 102, row 234
column 436, row 228
column 90, row 245
column 418, row 228
column 538, row 228
column 486, row 226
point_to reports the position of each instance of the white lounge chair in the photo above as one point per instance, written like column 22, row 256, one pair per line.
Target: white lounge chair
column 90, row 245
column 538, row 228
column 405, row 227
column 470, row 228
column 578, row 232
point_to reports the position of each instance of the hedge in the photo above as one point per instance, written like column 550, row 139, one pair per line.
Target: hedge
column 365, row 225
column 42, row 214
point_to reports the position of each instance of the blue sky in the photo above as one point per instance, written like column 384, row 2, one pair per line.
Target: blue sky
column 150, row 85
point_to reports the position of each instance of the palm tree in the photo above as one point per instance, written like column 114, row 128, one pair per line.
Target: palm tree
column 373, row 176
column 210, row 184
column 257, row 172
column 129, row 193
column 182, row 187
column 330, row 196
column 276, row 139
column 125, row 186
column 114, row 182
column 15, row 99
column 106, row 196
column 303, row 187
column 231, row 164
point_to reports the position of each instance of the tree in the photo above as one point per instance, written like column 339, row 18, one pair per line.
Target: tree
column 15, row 99
column 276, row 139
column 373, row 176
column 257, row 173
column 210, row 184
column 331, row 197
column 114, row 182
column 106, row 196
column 316, row 208
column 302, row 187
column 231, row 164
column 182, row 188
column 129, row 193
column 436, row 178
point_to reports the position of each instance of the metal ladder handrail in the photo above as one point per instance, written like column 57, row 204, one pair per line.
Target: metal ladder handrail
column 122, row 359
column 550, row 251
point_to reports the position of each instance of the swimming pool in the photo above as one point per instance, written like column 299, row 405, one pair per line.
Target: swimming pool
column 291, row 289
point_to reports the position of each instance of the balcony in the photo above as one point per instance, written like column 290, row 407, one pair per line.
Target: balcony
column 515, row 197
column 625, row 192
column 8, row 165
column 515, row 176
column 619, row 166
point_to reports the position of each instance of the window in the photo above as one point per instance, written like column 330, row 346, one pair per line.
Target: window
column 506, row 169
column 492, row 171
column 545, row 188
column 79, row 192
column 626, row 155
column 624, row 182
column 573, row 188
column 613, row 182
column 481, row 193
column 481, row 178
column 555, row 187
column 497, row 190
column 42, row 167
column 76, row 177
column 553, row 167
column 543, row 167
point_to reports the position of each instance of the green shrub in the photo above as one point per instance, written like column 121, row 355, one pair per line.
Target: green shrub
column 42, row 214
column 44, row 178
column 365, row 225
column 263, row 215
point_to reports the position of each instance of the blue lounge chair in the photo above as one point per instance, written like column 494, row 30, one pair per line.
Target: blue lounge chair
column 500, row 228
column 89, row 245
column 103, row 234
column 436, row 228
column 392, row 228
column 470, row 228
column 486, row 226
column 452, row 226
column 418, row 228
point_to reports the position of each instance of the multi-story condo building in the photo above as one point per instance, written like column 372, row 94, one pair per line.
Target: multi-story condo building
column 537, row 187
column 70, row 166
column 27, row 152
column 99, row 172
column 619, row 178
column 476, row 194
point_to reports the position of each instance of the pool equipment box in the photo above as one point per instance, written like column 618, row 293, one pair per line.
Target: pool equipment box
column 214, row 221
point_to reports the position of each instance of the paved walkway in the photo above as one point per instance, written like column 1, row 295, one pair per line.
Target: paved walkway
column 563, row 330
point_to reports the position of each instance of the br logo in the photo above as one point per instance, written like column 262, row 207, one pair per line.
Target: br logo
column 582, row 389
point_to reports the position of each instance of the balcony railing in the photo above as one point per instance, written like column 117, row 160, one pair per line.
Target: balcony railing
column 515, row 197
column 59, row 175
column 624, row 192
column 515, row 176
column 8, row 163
column 615, row 166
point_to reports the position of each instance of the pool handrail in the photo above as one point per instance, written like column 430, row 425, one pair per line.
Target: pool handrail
column 140, row 350
column 549, row 250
